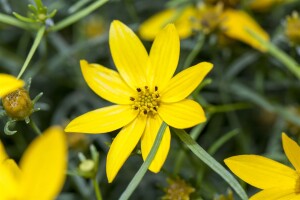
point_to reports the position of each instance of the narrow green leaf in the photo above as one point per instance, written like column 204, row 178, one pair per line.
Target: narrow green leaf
column 77, row 16
column 142, row 171
column 211, row 162
column 39, row 37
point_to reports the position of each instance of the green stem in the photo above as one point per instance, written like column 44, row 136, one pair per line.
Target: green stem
column 97, row 189
column 77, row 16
column 211, row 162
column 197, row 48
column 35, row 127
column 285, row 59
column 142, row 171
column 35, row 45
column 7, row 19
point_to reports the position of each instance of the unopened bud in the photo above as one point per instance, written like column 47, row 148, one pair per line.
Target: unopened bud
column 18, row 104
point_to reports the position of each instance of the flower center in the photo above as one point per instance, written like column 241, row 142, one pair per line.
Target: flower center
column 146, row 101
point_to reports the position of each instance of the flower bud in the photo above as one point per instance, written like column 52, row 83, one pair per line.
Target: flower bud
column 88, row 168
column 178, row 189
column 18, row 104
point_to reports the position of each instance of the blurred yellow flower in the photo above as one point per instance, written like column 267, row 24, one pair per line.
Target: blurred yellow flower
column 232, row 23
column 264, row 5
column 9, row 84
column 279, row 182
column 293, row 27
column 42, row 169
column 145, row 94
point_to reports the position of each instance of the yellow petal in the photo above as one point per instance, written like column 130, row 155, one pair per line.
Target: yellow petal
column 148, row 138
column 183, row 114
column 262, row 172
column 276, row 194
column 123, row 145
column 292, row 151
column 235, row 24
column 8, row 183
column 102, row 120
column 43, row 166
column 263, row 5
column 9, row 84
column 164, row 56
column 129, row 54
column 185, row 82
column 107, row 83
column 14, row 168
column 184, row 23
column 3, row 154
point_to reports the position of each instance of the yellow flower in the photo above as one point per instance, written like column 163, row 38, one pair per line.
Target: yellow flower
column 232, row 23
column 292, row 28
column 278, row 182
column 9, row 84
column 42, row 169
column 264, row 5
column 145, row 94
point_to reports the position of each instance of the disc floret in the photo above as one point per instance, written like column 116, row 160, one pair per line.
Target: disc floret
column 146, row 101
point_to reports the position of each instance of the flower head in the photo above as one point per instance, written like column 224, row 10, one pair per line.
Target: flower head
column 277, row 181
column 9, row 84
column 232, row 23
column 145, row 94
column 41, row 172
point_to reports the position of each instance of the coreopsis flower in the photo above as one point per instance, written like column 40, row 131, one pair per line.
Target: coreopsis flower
column 145, row 95
column 9, row 84
column 264, row 5
column 292, row 28
column 41, row 172
column 230, row 22
column 278, row 182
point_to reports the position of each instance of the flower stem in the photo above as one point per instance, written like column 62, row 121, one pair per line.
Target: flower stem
column 97, row 189
column 7, row 19
column 35, row 127
column 143, row 169
column 35, row 45
column 77, row 16
column 280, row 55
column 197, row 48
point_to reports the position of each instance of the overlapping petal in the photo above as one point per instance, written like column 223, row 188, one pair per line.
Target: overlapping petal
column 292, row 151
column 9, row 84
column 3, row 154
column 129, row 54
column 107, row 83
column 164, row 56
column 43, row 166
column 185, row 82
column 102, row 120
column 150, row 133
column 262, row 172
column 183, row 114
column 235, row 25
column 276, row 194
column 123, row 145
column 183, row 21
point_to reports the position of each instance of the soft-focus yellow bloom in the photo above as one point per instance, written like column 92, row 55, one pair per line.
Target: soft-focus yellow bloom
column 9, row 84
column 278, row 182
column 232, row 23
column 145, row 94
column 177, row 189
column 264, row 5
column 42, row 169
column 293, row 27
